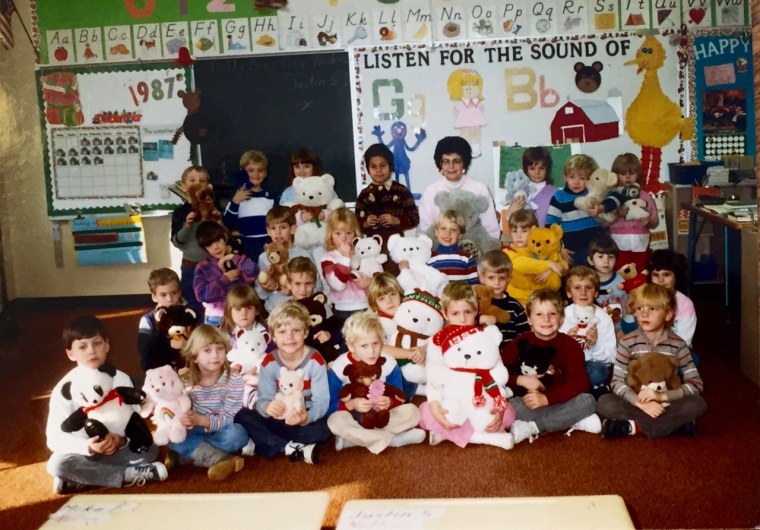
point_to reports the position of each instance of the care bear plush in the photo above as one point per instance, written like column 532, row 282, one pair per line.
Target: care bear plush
column 167, row 401
column 533, row 360
column 316, row 197
column 416, row 251
column 474, row 382
column 417, row 318
column 368, row 255
column 174, row 325
column 291, row 391
column 364, row 382
column 653, row 370
column 544, row 245
column 600, row 182
column 104, row 408
column 475, row 239
column 277, row 256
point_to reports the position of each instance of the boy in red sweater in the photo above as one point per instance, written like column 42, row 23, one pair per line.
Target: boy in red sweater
column 547, row 374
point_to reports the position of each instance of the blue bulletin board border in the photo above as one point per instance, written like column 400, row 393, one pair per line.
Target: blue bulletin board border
column 44, row 130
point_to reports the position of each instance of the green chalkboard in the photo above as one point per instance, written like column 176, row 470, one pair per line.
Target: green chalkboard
column 510, row 159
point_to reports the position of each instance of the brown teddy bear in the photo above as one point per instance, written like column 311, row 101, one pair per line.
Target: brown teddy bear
column 195, row 126
column 277, row 255
column 364, row 382
column 201, row 199
column 485, row 295
column 653, row 370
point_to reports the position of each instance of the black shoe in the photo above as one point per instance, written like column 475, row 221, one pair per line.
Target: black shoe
column 298, row 452
column 65, row 487
column 687, row 429
column 599, row 390
column 616, row 428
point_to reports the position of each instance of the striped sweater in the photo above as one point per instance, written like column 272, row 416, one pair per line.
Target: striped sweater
column 220, row 401
column 636, row 344
column 454, row 263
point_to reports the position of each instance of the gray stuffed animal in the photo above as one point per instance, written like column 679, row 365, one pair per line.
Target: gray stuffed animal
column 475, row 239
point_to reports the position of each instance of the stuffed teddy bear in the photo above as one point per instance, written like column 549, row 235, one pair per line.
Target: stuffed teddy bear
column 277, row 255
column 364, row 382
column 470, row 206
column 584, row 315
column 368, row 258
column 196, row 125
column 474, row 383
column 174, row 325
column 315, row 195
column 533, row 360
column 104, row 408
column 167, row 401
column 485, row 307
column 544, row 245
column 201, row 199
column 417, row 318
column 600, row 182
column 291, row 391
column 653, row 370
column 516, row 184
column 632, row 278
column 637, row 207
column 416, row 251
column 248, row 353
column 316, row 305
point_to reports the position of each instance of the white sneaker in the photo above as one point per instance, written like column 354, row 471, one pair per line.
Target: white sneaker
column 298, row 452
column 435, row 438
column 342, row 443
column 523, row 430
column 249, row 449
column 410, row 437
column 139, row 475
column 590, row 424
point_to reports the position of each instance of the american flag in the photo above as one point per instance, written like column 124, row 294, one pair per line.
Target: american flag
column 7, row 7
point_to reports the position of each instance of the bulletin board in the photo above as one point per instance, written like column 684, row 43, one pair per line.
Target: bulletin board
column 722, row 93
column 108, row 136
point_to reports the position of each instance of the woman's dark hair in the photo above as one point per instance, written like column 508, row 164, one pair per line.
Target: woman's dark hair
column 453, row 144
column 378, row 150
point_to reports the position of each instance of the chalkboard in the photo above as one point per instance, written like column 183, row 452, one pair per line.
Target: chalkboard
column 276, row 104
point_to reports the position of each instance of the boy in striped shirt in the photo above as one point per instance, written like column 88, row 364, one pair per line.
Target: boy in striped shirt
column 448, row 256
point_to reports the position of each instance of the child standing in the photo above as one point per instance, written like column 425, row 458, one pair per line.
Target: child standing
column 184, row 225
column 656, row 414
column 363, row 334
column 563, row 403
column 527, row 270
column 248, row 208
column 385, row 207
column 537, row 166
column 579, row 227
column 164, row 285
column 304, row 162
column 494, row 271
column 448, row 257
column 220, row 271
column 272, row 431
column 592, row 328
column 217, row 395
column 347, row 288
column 632, row 237
column 79, row 461
column 666, row 268
column 602, row 256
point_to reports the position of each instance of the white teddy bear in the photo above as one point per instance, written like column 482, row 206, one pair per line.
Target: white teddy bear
column 416, row 251
column 600, row 182
column 315, row 198
column 250, row 349
column 473, row 380
column 291, row 391
column 368, row 258
column 417, row 319
column 584, row 315
column 637, row 207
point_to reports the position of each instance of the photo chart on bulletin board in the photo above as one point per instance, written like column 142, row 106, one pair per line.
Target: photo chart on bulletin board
column 108, row 134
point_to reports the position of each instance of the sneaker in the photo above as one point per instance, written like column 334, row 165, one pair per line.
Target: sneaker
column 410, row 437
column 342, row 443
column 224, row 468
column 139, row 475
column 599, row 390
column 435, row 438
column 297, row 452
column 590, row 424
column 65, row 487
column 249, row 449
column 687, row 429
column 616, row 428
column 523, row 430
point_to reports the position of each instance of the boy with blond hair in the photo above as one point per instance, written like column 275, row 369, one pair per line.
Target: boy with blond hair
column 579, row 227
column 247, row 210
column 495, row 271
column 555, row 403
column 272, row 431
column 656, row 413
column 448, row 256
column 363, row 334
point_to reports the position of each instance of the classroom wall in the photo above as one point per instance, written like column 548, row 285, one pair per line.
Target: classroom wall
column 27, row 238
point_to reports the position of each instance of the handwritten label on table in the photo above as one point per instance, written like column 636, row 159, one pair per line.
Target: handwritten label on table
column 388, row 519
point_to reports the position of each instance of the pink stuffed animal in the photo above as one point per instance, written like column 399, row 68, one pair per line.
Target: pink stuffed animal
column 166, row 399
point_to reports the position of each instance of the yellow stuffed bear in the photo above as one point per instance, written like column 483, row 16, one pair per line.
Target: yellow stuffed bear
column 544, row 245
